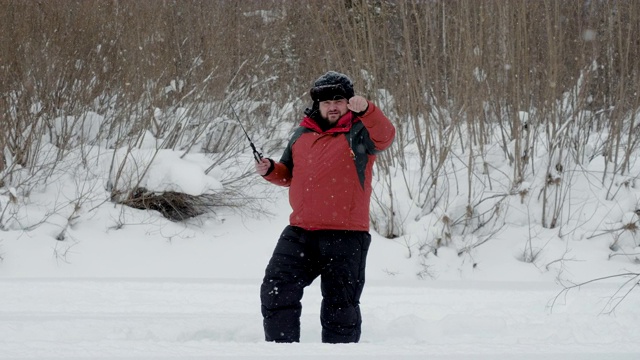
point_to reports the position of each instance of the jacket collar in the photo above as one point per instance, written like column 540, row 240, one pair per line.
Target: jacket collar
column 343, row 125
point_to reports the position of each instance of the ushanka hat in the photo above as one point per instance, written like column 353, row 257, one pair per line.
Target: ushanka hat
column 332, row 86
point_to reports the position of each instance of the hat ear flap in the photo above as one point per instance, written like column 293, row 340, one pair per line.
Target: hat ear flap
column 313, row 111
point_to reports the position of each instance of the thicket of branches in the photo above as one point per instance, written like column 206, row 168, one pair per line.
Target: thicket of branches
column 455, row 76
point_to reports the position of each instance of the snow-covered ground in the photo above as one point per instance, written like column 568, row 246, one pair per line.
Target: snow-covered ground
column 219, row 319
column 165, row 290
column 119, row 283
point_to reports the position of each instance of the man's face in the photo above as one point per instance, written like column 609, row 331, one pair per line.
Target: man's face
column 332, row 110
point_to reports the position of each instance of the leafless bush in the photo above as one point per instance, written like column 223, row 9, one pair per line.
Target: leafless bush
column 456, row 78
column 177, row 206
column 630, row 281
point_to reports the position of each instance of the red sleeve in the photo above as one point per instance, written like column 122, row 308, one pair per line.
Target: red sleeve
column 381, row 130
column 280, row 175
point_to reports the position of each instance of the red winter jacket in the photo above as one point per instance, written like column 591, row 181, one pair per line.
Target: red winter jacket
column 329, row 179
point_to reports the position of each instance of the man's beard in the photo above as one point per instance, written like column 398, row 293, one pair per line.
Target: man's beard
column 324, row 123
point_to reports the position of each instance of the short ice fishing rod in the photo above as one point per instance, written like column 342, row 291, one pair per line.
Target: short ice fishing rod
column 256, row 154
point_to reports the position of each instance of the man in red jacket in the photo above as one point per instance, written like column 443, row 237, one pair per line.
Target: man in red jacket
column 327, row 166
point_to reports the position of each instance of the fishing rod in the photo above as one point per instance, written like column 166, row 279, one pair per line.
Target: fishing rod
column 256, row 154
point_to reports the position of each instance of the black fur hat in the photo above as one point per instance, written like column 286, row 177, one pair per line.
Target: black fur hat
column 331, row 86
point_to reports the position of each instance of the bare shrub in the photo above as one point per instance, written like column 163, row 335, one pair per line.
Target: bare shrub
column 628, row 282
column 471, row 86
column 177, row 206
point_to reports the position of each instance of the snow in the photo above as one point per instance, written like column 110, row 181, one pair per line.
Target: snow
column 129, row 284
column 217, row 318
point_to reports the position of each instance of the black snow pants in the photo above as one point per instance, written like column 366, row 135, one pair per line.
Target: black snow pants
column 339, row 258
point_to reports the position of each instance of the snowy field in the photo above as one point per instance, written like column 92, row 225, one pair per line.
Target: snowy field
column 175, row 291
column 219, row 319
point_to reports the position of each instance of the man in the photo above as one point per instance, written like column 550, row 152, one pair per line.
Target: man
column 327, row 166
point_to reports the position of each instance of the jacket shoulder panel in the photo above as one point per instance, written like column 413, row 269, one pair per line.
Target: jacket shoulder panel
column 287, row 155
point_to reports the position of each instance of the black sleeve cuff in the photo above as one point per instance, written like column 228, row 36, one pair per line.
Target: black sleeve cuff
column 271, row 167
